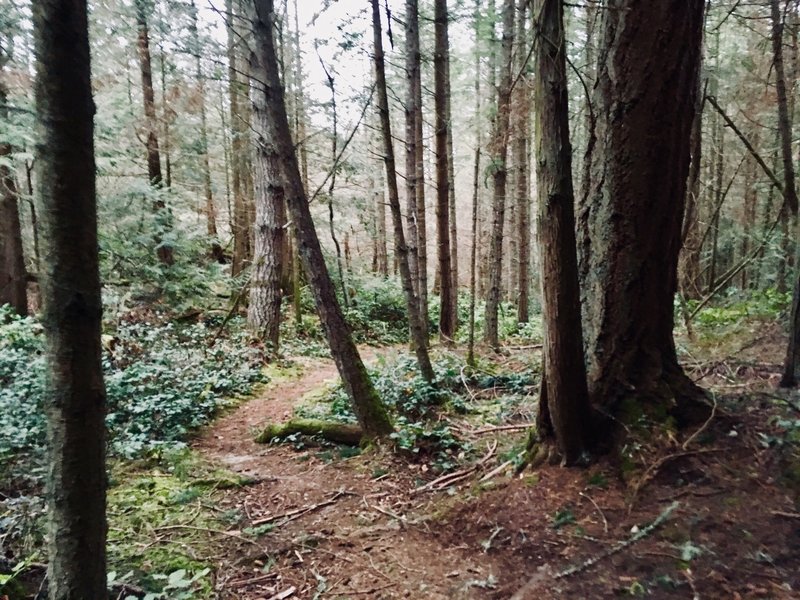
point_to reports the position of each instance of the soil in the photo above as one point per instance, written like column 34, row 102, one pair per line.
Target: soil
column 333, row 525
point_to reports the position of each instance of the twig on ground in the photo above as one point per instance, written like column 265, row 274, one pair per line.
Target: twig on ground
column 520, row 426
column 252, row 581
column 291, row 515
column 284, row 594
column 590, row 499
column 653, row 469
column 617, row 548
column 448, row 479
column 207, row 530
column 495, row 471
column 704, row 426
column 787, row 515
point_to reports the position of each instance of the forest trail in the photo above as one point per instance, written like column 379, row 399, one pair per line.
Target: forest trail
column 339, row 526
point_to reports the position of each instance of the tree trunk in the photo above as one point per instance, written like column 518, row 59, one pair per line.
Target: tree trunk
column 401, row 250
column 499, row 153
column 154, row 175
column 166, row 118
column 164, row 250
column 522, row 192
column 451, row 192
column 241, row 241
column 264, row 309
column 412, row 61
column 13, row 288
column 567, row 395
column 447, row 312
column 71, row 305
column 210, row 208
column 476, row 171
column 637, row 204
column 689, row 260
column 784, row 118
column 791, row 366
column 367, row 405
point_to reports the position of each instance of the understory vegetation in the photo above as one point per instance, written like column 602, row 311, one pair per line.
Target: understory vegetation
column 166, row 376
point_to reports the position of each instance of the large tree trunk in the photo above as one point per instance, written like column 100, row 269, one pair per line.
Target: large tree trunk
column 447, row 313
column 401, row 250
column 499, row 153
column 264, row 310
column 71, row 304
column 566, row 394
column 367, row 405
column 12, row 265
column 637, row 201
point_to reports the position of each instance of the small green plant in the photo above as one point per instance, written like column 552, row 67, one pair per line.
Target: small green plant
column 563, row 516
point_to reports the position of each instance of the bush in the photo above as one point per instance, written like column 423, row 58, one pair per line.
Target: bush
column 162, row 381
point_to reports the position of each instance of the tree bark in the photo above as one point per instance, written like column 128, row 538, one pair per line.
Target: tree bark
column 13, row 277
column 71, row 304
column 523, row 201
column 401, row 250
column 367, row 405
column 784, row 118
column 791, row 365
column 476, row 170
column 499, row 153
column 637, row 204
column 440, row 59
column 412, row 63
column 241, row 234
column 264, row 309
column 566, row 395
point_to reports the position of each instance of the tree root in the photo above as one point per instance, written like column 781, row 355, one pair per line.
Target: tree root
column 339, row 433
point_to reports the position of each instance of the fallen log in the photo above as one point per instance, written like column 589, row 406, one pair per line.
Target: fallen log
column 340, row 433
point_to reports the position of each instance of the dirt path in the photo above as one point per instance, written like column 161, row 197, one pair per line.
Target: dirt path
column 361, row 535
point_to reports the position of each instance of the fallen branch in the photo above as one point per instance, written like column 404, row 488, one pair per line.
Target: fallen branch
column 520, row 427
column 446, row 480
column 495, row 471
column 617, row 548
column 284, row 594
column 786, row 515
column 653, row 469
column 298, row 512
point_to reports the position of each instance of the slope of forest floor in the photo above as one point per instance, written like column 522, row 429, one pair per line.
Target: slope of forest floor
column 711, row 514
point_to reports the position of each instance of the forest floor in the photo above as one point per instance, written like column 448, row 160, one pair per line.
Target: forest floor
column 713, row 514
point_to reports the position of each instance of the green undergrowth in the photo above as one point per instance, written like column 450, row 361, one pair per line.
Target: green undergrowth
column 163, row 380
column 164, row 523
column 429, row 418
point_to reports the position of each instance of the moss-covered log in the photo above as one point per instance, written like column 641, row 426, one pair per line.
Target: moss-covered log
column 340, row 433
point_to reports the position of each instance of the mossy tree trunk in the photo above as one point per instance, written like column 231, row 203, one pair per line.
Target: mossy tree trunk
column 565, row 397
column 636, row 203
column 367, row 405
column 71, row 304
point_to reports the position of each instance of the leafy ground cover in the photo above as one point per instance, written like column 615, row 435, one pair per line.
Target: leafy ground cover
column 440, row 511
